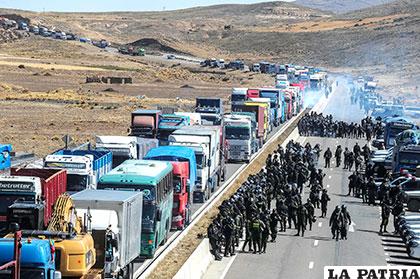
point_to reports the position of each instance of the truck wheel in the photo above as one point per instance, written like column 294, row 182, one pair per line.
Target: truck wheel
column 413, row 205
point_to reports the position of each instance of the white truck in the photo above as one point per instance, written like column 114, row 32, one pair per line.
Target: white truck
column 240, row 137
column 126, row 147
column 115, row 219
column 205, row 141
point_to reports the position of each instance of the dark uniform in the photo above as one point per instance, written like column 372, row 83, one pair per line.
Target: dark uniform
column 302, row 219
column 385, row 212
column 324, row 203
column 327, row 157
column 274, row 220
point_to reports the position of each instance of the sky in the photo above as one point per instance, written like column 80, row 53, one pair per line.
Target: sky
column 113, row 5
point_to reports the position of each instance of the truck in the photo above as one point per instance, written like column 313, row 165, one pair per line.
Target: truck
column 211, row 110
column 125, row 147
column 37, row 258
column 145, row 123
column 252, row 93
column 267, row 112
column 185, row 176
column 206, row 145
column 84, row 167
column 5, row 157
column 266, row 103
column 276, row 103
column 168, row 123
column 240, row 137
column 394, row 126
column 239, row 95
column 29, row 195
column 407, row 158
column 131, row 50
column 115, row 224
column 259, row 113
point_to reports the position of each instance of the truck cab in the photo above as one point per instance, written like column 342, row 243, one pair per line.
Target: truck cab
column 145, row 123
column 211, row 110
column 168, row 123
column 240, row 137
column 17, row 188
column 239, row 95
column 84, row 167
column 276, row 104
column 125, row 147
column 37, row 260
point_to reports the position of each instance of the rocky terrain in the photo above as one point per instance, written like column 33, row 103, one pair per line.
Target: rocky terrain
column 340, row 6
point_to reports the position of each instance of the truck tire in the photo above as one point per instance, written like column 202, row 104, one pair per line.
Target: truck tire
column 413, row 205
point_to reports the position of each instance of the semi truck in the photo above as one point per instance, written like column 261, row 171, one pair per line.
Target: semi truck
column 240, row 137
column 37, row 258
column 5, row 157
column 145, row 123
column 195, row 118
column 267, row 113
column 168, row 123
column 205, row 142
column 29, row 195
column 84, row 167
column 115, row 224
column 393, row 127
column 125, row 147
column 277, row 102
column 239, row 95
column 252, row 93
column 259, row 113
column 407, row 158
column 211, row 110
column 185, row 176
column 274, row 122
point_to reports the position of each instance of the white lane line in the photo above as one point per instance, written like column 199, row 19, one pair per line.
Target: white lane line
column 328, row 185
column 320, row 224
column 316, row 242
column 386, row 254
column 311, row 265
column 387, row 259
column 329, row 177
column 331, row 169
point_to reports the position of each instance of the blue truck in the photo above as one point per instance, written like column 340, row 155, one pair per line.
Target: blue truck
column 394, row 126
column 37, row 258
column 5, row 161
column 84, row 167
column 168, row 123
column 277, row 103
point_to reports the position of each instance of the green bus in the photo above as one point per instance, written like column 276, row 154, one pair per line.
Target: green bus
column 155, row 180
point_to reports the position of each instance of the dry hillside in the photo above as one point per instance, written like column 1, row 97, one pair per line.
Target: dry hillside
column 340, row 6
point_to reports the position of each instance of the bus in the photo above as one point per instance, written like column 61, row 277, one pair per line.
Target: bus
column 155, row 180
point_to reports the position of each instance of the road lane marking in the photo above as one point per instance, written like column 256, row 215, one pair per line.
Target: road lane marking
column 316, row 242
column 226, row 270
column 386, row 254
column 329, row 177
column 331, row 169
column 351, row 227
column 387, row 259
column 320, row 224
column 311, row 265
column 328, row 185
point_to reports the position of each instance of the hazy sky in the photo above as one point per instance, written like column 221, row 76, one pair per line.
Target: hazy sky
column 113, row 5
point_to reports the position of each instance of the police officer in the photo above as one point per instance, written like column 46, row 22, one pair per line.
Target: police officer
column 248, row 239
column 282, row 212
column 385, row 212
column 228, row 227
column 214, row 239
column 371, row 188
column 257, row 227
column 311, row 213
column 302, row 219
column 324, row 203
column 346, row 221
column 337, row 155
column 274, row 220
column 346, row 158
column 327, row 157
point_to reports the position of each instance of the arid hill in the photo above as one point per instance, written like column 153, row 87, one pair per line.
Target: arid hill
column 340, row 6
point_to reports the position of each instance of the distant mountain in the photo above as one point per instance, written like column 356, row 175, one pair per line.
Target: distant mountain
column 340, row 6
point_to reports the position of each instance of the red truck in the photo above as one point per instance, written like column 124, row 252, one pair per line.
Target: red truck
column 253, row 93
column 28, row 195
column 180, row 210
column 145, row 123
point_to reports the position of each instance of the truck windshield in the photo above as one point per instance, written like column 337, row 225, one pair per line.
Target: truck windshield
column 77, row 183
column 24, row 273
column 237, row 133
column 238, row 97
column 119, row 159
column 199, row 160
column 177, row 184
column 409, row 160
column 7, row 200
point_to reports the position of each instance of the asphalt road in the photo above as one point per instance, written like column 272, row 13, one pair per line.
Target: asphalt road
column 305, row 257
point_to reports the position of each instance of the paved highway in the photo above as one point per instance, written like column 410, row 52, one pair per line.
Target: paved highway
column 305, row 257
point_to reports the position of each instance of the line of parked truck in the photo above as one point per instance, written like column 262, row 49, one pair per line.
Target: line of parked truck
column 87, row 210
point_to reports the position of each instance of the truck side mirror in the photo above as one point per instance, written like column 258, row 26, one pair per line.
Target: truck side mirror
column 57, row 275
column 159, row 215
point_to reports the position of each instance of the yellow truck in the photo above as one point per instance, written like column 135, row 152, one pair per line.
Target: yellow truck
column 266, row 107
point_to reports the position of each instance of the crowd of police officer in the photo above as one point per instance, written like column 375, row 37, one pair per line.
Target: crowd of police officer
column 314, row 124
column 271, row 201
